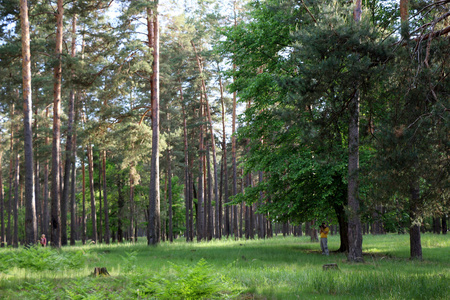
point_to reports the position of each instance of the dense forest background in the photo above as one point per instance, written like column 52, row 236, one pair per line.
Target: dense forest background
column 209, row 119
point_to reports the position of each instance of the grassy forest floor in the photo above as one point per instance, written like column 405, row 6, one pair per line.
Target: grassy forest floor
column 278, row 268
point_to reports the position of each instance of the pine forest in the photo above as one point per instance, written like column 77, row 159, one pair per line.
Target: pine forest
column 198, row 120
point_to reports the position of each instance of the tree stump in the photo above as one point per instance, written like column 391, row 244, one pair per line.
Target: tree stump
column 100, row 272
column 326, row 267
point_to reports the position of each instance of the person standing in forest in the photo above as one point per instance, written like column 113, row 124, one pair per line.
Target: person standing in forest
column 43, row 241
column 324, row 238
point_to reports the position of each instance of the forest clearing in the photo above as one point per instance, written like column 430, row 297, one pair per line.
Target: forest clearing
column 277, row 268
column 159, row 149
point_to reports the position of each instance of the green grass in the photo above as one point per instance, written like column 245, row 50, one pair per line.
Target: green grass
column 278, row 268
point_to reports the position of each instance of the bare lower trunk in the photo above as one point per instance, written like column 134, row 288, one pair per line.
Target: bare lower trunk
column 91, row 189
column 56, row 150
column 45, row 200
column 2, row 216
column 170, row 195
column 105, row 198
column 16, row 202
column 30, row 202
column 354, row 219
column 414, row 233
column 83, row 221
column 154, row 224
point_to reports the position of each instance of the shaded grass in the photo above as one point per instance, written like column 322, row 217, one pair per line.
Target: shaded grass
column 278, row 268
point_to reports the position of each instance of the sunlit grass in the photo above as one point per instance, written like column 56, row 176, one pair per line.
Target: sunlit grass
column 278, row 268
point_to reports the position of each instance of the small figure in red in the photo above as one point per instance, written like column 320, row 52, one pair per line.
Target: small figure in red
column 43, row 240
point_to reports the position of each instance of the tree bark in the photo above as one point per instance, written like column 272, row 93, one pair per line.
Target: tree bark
column 186, row 167
column 16, row 201
column 2, row 204
column 56, row 149
column 414, row 233
column 200, row 205
column 169, row 175
column 45, row 216
column 225, row 169
column 73, row 217
column 120, row 204
column 354, row 219
column 30, row 202
column 83, row 221
column 11, row 179
column 91, row 188
column 105, row 199
column 100, row 199
column 154, row 224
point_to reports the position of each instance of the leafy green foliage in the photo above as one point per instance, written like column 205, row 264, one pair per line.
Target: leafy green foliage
column 185, row 282
column 39, row 259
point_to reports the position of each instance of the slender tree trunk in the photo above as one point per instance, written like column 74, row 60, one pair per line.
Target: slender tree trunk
column 354, row 219
column 105, row 198
column 209, row 227
column 191, row 200
column 414, row 233
column 154, row 224
column 2, row 204
column 30, row 202
column 169, row 175
column 186, row 167
column 444, row 221
column 56, row 150
column 132, row 171
column 73, row 216
column 45, row 216
column 200, row 205
column 37, row 169
column 100, row 199
column 83, row 221
column 11, row 179
column 120, row 204
column 91, row 188
column 225, row 168
column 16, row 201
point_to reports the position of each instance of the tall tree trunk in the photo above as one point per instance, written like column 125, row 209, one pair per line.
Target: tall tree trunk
column 169, row 175
column 11, row 179
column 56, row 149
column 46, row 192
column 30, row 202
column 73, row 217
column 225, row 169
column 186, row 167
column 414, row 231
column 37, row 169
column 69, row 154
column 209, row 227
column 132, row 171
column 91, row 189
column 120, row 204
column 105, row 198
column 354, row 219
column 83, row 221
column 154, row 224
column 16, row 201
column 2, row 204
column 100, row 199
column 200, row 205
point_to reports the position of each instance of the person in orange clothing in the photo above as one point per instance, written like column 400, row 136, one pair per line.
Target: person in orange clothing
column 323, row 238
